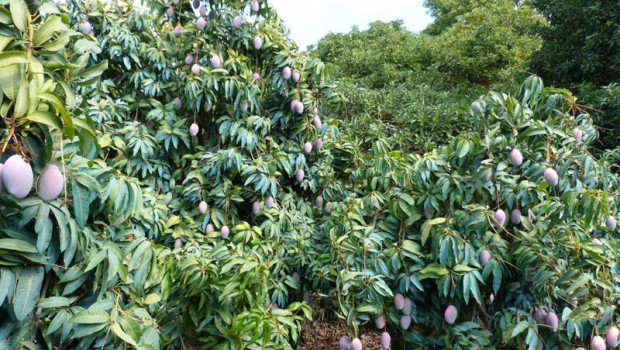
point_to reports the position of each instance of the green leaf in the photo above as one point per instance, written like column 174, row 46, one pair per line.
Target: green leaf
column 68, row 129
column 7, row 283
column 5, row 15
column 59, row 42
column 10, row 58
column 47, row 118
column 462, row 268
column 59, row 320
column 19, row 13
column 21, row 102
column 96, row 260
column 27, row 292
column 428, row 225
column 248, row 266
column 17, row 245
column 5, row 41
column 83, row 46
column 10, row 80
column 90, row 317
column 462, row 148
column 80, row 203
column 114, row 260
column 45, row 32
column 368, row 308
column 116, row 328
column 53, row 302
column 152, row 299
column 519, row 328
column 70, row 99
column 93, row 72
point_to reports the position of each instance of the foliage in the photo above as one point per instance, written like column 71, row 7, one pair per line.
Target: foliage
column 383, row 55
column 479, row 41
column 580, row 51
column 386, row 94
column 417, row 224
column 123, row 261
column 604, row 105
column 411, row 116
column 580, row 42
column 414, row 89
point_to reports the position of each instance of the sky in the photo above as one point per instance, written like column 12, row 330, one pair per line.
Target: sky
column 310, row 20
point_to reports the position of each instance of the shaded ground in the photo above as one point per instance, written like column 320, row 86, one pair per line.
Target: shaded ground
column 326, row 336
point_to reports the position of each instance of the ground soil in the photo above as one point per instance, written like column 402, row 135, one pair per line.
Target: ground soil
column 326, row 336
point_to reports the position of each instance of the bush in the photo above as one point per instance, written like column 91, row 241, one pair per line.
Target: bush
column 414, row 116
column 418, row 225
column 414, row 89
column 604, row 105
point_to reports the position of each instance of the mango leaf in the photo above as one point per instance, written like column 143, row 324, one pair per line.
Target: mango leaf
column 93, row 72
column 59, row 106
column 80, row 203
column 83, row 46
column 60, row 42
column 4, row 42
column 17, row 245
column 10, row 58
column 47, row 118
column 428, row 225
column 27, row 291
column 52, row 302
column 5, row 15
column 90, row 317
column 10, row 79
column 519, row 328
column 45, row 32
column 96, row 260
column 152, row 299
column 21, row 102
column 7, row 281
column 116, row 328
column 19, row 13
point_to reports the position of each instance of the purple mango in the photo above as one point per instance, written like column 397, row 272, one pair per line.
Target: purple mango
column 485, row 256
column 50, row 184
column 516, row 157
column 193, row 129
column 551, row 177
column 450, row 314
column 224, row 231
column 17, row 177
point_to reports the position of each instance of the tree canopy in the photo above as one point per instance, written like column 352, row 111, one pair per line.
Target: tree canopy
column 580, row 42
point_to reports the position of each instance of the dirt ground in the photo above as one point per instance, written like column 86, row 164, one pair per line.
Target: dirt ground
column 326, row 336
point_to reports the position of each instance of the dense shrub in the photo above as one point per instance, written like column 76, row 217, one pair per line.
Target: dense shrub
column 484, row 42
column 441, row 229
column 414, row 89
column 604, row 105
column 412, row 116
column 580, row 52
column 580, row 42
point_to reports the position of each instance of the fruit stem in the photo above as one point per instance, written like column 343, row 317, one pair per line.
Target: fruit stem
column 11, row 133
